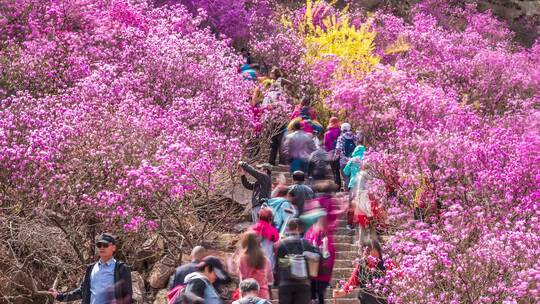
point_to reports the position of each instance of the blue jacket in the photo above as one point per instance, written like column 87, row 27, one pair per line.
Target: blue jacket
column 278, row 206
column 354, row 165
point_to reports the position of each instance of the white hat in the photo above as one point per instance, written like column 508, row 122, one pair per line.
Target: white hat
column 345, row 127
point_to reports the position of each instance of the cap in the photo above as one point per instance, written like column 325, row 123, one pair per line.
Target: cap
column 345, row 127
column 216, row 265
column 106, row 238
column 298, row 176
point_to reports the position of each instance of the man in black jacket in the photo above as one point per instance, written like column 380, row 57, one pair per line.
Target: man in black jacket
column 104, row 282
column 299, row 192
column 262, row 187
column 291, row 289
column 197, row 254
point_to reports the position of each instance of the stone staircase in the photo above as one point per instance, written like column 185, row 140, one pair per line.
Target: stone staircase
column 346, row 251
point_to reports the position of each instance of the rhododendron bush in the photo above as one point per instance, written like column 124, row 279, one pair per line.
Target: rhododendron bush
column 451, row 119
column 131, row 107
column 239, row 20
column 115, row 115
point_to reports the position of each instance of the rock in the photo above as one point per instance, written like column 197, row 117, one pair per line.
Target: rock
column 150, row 252
column 161, row 297
column 161, row 272
column 138, row 287
column 222, row 241
column 241, row 227
column 240, row 195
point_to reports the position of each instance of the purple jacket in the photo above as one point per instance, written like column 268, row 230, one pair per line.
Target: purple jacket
column 330, row 138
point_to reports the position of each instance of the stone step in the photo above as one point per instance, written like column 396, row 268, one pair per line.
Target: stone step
column 343, row 238
column 341, row 223
column 344, row 231
column 328, row 296
column 346, row 255
column 346, row 247
column 280, row 168
column 342, row 272
column 331, row 301
column 344, row 263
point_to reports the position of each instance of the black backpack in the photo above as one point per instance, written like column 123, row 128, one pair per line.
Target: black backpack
column 348, row 147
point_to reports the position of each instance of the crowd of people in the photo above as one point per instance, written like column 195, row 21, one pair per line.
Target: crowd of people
column 291, row 244
column 297, row 221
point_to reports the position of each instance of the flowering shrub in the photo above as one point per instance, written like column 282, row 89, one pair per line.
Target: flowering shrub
column 329, row 35
column 149, row 119
column 238, row 20
column 454, row 113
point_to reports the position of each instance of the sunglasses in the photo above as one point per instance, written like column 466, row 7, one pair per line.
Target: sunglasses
column 102, row 245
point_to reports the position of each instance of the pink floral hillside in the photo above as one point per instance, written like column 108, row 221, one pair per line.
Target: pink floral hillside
column 453, row 112
column 125, row 108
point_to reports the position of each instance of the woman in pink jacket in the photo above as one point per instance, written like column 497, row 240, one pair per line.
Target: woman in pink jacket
column 267, row 233
column 253, row 264
column 330, row 141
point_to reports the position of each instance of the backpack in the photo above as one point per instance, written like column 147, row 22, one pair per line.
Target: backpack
column 348, row 147
column 305, row 112
column 174, row 293
column 297, row 267
column 252, row 301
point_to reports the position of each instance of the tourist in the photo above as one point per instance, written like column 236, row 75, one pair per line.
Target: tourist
column 249, row 291
column 249, row 71
column 106, row 281
column 354, row 165
column 199, row 283
column 304, row 110
column 299, row 192
column 321, row 237
column 282, row 209
column 345, row 146
column 318, row 164
column 197, row 254
column 261, row 188
column 290, row 271
column 330, row 142
column 316, row 131
column 298, row 147
column 325, row 197
column 252, row 263
column 275, row 146
column 267, row 233
column 364, row 207
column 278, row 82
column 369, row 267
column 275, row 87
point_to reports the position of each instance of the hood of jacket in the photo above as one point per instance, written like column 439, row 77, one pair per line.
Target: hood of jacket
column 359, row 151
column 276, row 202
column 266, row 230
column 195, row 275
column 348, row 134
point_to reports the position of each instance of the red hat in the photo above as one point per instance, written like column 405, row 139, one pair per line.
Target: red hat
column 333, row 123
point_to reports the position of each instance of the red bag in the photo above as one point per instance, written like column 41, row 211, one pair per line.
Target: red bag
column 174, row 293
